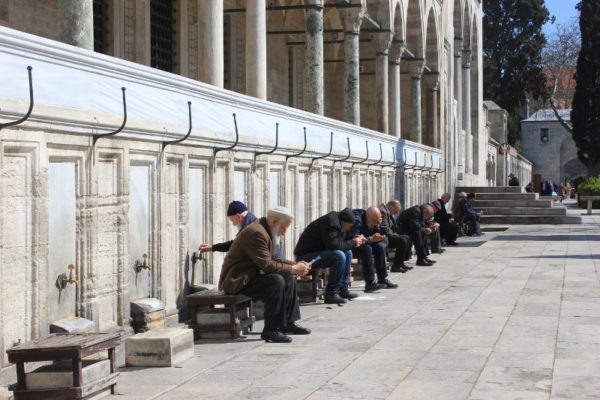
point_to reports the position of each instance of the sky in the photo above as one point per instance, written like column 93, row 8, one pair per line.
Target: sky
column 564, row 10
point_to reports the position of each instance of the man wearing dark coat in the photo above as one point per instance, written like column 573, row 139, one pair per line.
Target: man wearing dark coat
column 251, row 268
column 448, row 228
column 412, row 223
column 327, row 237
column 401, row 243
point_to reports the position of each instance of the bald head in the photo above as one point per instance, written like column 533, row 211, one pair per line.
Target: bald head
column 394, row 206
column 373, row 216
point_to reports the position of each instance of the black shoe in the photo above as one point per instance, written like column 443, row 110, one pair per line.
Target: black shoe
column 296, row 329
column 346, row 294
column 275, row 336
column 334, row 298
column 424, row 263
column 430, row 261
column 400, row 268
column 452, row 244
column 373, row 287
column 406, row 267
column 441, row 251
column 388, row 284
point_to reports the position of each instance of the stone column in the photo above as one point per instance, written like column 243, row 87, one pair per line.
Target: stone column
column 76, row 22
column 352, row 21
column 383, row 41
column 458, row 44
column 256, row 49
column 313, row 63
column 466, row 108
column 396, row 52
column 416, row 72
column 433, row 88
column 210, row 42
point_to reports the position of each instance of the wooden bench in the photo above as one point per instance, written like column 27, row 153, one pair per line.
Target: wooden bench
column 315, row 290
column 589, row 200
column 61, row 346
column 208, row 299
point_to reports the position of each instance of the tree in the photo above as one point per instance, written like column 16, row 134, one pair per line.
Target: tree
column 560, row 59
column 585, row 116
column 512, row 55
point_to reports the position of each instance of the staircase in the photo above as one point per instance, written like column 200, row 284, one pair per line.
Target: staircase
column 511, row 205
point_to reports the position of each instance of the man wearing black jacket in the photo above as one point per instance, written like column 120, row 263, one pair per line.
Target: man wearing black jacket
column 372, row 253
column 412, row 223
column 400, row 242
column 448, row 229
column 238, row 214
column 327, row 237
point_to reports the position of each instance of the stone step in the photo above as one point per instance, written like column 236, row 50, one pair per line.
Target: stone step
column 489, row 189
column 159, row 347
column 522, row 211
column 530, row 219
column 507, row 196
column 513, row 203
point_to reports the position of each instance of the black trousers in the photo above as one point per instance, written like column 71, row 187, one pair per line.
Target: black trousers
column 403, row 245
column 419, row 239
column 280, row 296
column 449, row 232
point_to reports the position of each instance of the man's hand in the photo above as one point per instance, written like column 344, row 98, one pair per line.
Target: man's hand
column 205, row 248
column 428, row 231
column 377, row 237
column 359, row 240
column 301, row 268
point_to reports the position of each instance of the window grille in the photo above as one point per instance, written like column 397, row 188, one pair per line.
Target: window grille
column 544, row 137
column 162, row 32
column 100, row 8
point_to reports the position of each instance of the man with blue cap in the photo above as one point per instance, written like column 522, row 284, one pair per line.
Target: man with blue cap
column 238, row 214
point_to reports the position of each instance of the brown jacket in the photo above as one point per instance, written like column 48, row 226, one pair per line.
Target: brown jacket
column 252, row 252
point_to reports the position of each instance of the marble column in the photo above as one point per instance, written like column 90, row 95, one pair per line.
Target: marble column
column 256, row 49
column 396, row 51
column 352, row 20
column 433, row 90
column 210, row 42
column 313, row 63
column 458, row 45
column 383, row 41
column 466, row 114
column 76, row 22
column 416, row 73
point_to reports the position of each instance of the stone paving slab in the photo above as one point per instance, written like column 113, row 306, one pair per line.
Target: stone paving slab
column 511, row 315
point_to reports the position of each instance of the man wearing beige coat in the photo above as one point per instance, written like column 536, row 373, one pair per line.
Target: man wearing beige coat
column 251, row 268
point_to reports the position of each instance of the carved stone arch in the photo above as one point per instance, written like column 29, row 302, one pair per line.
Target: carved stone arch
column 432, row 39
column 458, row 18
column 399, row 21
column 414, row 28
column 382, row 12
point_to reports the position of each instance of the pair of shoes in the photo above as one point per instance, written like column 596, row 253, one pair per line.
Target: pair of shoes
column 388, row 284
column 347, row 294
column 430, row 260
column 334, row 298
column 275, row 336
column 424, row 263
column 296, row 329
column 373, row 287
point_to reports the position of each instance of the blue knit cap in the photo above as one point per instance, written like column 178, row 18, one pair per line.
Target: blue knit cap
column 236, row 207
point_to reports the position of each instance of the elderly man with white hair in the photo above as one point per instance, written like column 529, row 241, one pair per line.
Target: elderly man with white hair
column 251, row 268
column 412, row 223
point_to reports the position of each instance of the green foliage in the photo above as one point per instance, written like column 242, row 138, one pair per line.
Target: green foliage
column 591, row 187
column 512, row 51
column 585, row 116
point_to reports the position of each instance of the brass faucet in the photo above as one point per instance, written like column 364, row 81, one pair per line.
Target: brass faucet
column 139, row 265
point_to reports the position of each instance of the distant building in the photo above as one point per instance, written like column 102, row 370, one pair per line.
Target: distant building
column 550, row 146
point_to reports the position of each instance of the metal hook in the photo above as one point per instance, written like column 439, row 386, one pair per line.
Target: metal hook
column 393, row 159
column 28, row 114
column 419, row 167
column 300, row 153
column 237, row 139
column 101, row 135
column 325, row 156
column 166, row 143
column 345, row 158
column 378, row 161
column 406, row 160
column 439, row 168
column 366, row 158
column 258, row 153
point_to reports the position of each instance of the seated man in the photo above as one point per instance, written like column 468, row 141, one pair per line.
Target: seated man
column 251, row 268
column 372, row 252
column 448, row 228
column 466, row 213
column 238, row 214
column 412, row 223
column 513, row 180
column 435, row 239
column 328, row 238
column 401, row 243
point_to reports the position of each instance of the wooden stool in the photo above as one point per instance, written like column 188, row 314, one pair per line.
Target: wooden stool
column 315, row 291
column 61, row 346
column 210, row 298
